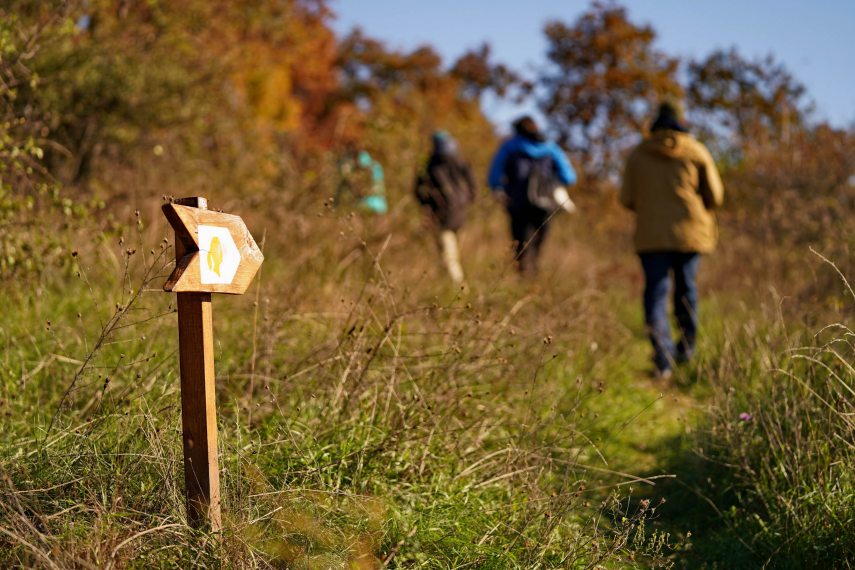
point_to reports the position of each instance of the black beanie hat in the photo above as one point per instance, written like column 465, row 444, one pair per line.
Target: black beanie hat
column 526, row 126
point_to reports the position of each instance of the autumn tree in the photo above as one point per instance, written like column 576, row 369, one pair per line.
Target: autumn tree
column 479, row 73
column 254, row 94
column 104, row 73
column 404, row 95
column 604, row 80
column 369, row 68
column 232, row 88
column 281, row 58
column 789, row 178
column 30, row 198
column 744, row 103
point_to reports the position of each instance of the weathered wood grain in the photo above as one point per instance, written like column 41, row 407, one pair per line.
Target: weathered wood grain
column 199, row 410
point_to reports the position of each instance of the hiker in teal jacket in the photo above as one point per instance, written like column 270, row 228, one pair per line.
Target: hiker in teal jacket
column 370, row 192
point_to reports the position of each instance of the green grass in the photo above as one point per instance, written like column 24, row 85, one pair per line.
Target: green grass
column 371, row 417
column 431, row 432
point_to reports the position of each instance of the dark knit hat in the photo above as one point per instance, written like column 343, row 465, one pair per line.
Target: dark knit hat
column 526, row 126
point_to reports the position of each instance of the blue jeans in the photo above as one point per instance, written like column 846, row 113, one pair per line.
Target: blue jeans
column 657, row 269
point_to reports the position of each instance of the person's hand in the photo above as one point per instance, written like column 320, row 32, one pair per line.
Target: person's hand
column 501, row 197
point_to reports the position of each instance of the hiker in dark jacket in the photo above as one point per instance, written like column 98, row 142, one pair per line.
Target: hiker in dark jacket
column 516, row 161
column 445, row 187
column 672, row 184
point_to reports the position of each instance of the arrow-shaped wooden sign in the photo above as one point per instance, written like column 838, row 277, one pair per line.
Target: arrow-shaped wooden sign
column 214, row 253
column 220, row 255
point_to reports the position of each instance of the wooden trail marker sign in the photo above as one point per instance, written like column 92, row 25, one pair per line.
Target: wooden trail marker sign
column 219, row 254
column 214, row 253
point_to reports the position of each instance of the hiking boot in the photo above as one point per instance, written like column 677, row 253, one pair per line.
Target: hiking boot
column 682, row 357
column 664, row 373
column 685, row 351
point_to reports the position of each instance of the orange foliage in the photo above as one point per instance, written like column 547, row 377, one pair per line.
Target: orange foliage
column 281, row 59
column 605, row 80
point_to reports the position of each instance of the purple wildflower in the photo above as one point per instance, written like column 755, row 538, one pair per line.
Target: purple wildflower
column 745, row 417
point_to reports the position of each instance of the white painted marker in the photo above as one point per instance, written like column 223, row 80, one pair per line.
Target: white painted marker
column 219, row 257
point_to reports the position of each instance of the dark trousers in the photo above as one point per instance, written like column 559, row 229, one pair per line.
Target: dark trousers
column 658, row 268
column 528, row 228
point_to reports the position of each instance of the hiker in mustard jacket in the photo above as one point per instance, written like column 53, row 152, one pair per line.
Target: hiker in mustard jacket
column 672, row 184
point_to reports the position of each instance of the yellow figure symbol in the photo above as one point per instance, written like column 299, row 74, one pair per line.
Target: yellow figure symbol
column 215, row 255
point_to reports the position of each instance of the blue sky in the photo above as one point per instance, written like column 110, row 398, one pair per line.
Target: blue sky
column 815, row 40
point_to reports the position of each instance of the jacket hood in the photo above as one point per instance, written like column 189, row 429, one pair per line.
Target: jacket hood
column 670, row 143
column 531, row 147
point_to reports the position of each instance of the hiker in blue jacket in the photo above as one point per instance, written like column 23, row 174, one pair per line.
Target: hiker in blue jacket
column 526, row 154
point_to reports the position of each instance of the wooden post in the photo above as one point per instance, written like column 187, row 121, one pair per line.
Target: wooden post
column 214, row 253
column 198, row 399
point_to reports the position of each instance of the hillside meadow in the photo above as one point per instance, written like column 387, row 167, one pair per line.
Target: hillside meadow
column 370, row 413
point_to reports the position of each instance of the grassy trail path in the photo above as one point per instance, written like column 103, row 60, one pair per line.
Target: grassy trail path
column 648, row 432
